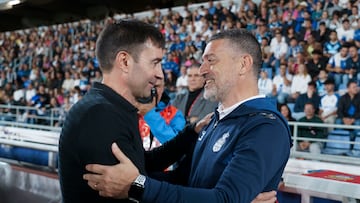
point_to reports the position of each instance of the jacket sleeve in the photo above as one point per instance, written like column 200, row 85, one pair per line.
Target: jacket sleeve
column 172, row 151
column 161, row 130
column 357, row 103
column 255, row 165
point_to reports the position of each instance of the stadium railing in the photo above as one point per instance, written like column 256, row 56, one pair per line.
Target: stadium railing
column 18, row 133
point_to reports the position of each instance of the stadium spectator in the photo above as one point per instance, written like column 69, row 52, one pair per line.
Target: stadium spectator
column 332, row 46
column 266, row 53
column 325, row 18
column 299, row 83
column 320, row 86
column 316, row 63
column 164, row 120
column 310, row 96
column 182, row 81
column 265, row 84
column 170, row 84
column 30, row 92
column 70, row 47
column 345, row 33
column 282, row 85
column 306, row 30
column 329, row 103
column 348, row 111
column 354, row 16
column 294, row 48
column 286, row 112
column 337, row 65
column 335, row 22
column 278, row 48
column 322, row 34
column 262, row 31
column 353, row 64
column 170, row 64
column 310, row 131
column 192, row 103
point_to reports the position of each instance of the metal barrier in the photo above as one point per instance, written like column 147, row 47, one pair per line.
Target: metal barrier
column 322, row 157
column 45, row 138
column 33, row 144
column 25, row 114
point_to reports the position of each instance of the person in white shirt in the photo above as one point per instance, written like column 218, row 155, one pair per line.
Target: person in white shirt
column 265, row 84
column 336, row 66
column 328, row 103
column 30, row 92
column 282, row 85
column 279, row 48
column 346, row 32
column 300, row 82
column 181, row 81
column 68, row 83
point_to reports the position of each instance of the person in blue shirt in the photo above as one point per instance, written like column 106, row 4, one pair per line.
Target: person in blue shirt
column 164, row 120
column 234, row 158
column 170, row 65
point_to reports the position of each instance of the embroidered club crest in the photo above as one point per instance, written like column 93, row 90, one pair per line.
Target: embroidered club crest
column 220, row 142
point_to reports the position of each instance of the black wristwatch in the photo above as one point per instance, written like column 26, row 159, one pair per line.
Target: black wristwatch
column 137, row 189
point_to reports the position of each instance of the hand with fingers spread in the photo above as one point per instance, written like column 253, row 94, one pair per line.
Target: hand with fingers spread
column 112, row 181
column 265, row 197
column 203, row 122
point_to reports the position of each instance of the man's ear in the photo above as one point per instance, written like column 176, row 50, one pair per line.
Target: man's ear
column 245, row 64
column 122, row 61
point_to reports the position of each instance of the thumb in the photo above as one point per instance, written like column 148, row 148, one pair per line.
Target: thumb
column 120, row 156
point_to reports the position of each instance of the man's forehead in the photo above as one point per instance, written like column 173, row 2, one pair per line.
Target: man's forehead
column 213, row 47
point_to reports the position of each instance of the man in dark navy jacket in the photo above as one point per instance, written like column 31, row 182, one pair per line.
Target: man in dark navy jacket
column 242, row 152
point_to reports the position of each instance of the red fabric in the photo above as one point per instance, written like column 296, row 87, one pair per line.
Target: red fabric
column 335, row 175
column 144, row 128
column 168, row 113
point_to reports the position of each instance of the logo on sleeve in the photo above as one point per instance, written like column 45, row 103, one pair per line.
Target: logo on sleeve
column 202, row 135
column 220, row 142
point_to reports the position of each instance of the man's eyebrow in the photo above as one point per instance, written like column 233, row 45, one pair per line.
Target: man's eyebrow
column 208, row 55
column 156, row 60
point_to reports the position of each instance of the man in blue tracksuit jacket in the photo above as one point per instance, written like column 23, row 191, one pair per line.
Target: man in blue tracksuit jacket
column 234, row 157
column 242, row 152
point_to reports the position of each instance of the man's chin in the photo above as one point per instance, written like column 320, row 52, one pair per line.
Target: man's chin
column 144, row 100
column 210, row 95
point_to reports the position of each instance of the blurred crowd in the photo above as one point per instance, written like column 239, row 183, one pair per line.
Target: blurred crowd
column 304, row 44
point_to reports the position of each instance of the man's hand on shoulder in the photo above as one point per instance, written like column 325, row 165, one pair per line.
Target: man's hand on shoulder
column 112, row 181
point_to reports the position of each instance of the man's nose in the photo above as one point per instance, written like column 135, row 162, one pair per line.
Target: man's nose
column 159, row 72
column 203, row 69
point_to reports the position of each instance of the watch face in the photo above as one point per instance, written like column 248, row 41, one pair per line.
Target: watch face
column 137, row 189
column 140, row 179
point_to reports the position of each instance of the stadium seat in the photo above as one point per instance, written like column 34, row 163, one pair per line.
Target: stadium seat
column 337, row 148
